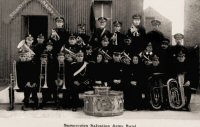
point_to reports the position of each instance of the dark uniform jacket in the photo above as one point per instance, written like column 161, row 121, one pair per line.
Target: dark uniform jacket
column 98, row 35
column 57, row 44
column 155, row 37
column 138, row 42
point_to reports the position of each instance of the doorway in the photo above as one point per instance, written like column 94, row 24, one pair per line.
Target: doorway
column 35, row 25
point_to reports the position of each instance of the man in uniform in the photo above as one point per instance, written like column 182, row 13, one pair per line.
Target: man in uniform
column 180, row 71
column 59, row 35
column 82, row 33
column 116, row 72
column 165, row 56
column 155, row 36
column 80, row 80
column 179, row 44
column 100, row 32
column 117, row 38
column 51, row 74
column 137, row 34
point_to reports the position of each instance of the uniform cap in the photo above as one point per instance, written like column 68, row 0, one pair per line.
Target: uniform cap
column 40, row 36
column 50, row 43
column 178, row 36
column 155, row 22
column 102, row 19
column 117, row 23
column 136, row 16
column 29, row 38
column 59, row 19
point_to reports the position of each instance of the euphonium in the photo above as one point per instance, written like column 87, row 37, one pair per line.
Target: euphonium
column 176, row 93
column 15, row 76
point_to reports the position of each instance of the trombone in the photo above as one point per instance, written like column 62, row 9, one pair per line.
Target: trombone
column 61, row 75
column 15, row 76
column 43, row 75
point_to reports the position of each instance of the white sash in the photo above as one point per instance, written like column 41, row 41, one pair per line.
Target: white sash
column 79, row 70
column 104, row 29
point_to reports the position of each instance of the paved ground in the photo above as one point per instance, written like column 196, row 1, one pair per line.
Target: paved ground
column 50, row 112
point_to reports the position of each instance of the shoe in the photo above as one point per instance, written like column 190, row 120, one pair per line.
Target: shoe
column 186, row 109
column 74, row 109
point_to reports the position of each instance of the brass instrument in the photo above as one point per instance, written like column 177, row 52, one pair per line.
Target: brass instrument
column 125, row 55
column 11, row 92
column 79, row 41
column 16, row 87
column 65, row 50
column 114, row 39
column 43, row 75
column 176, row 93
column 54, row 35
column 13, row 85
column 61, row 76
column 156, row 90
column 105, row 54
column 22, row 46
column 134, row 31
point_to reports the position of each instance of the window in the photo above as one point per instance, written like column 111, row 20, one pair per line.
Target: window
column 103, row 9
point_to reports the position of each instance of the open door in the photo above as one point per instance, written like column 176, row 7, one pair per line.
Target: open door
column 34, row 25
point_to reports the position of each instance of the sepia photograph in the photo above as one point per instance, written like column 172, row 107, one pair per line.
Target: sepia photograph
column 99, row 63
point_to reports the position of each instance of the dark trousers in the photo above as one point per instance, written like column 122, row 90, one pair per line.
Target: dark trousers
column 27, row 92
column 74, row 94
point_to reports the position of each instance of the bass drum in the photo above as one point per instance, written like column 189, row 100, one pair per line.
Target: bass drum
column 110, row 104
column 156, row 84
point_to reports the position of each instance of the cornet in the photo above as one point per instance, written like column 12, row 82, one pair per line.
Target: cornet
column 54, row 35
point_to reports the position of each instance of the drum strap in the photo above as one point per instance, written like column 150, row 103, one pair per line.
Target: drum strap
column 81, row 69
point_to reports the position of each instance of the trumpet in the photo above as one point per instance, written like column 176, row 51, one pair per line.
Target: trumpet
column 105, row 54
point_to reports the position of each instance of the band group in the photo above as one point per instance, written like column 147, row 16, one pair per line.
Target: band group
column 151, row 72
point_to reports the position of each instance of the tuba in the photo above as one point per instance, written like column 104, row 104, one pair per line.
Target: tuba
column 176, row 93
column 156, row 90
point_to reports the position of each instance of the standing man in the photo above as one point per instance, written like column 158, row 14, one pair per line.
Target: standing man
column 155, row 36
column 137, row 34
column 100, row 32
column 59, row 35
column 117, row 39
